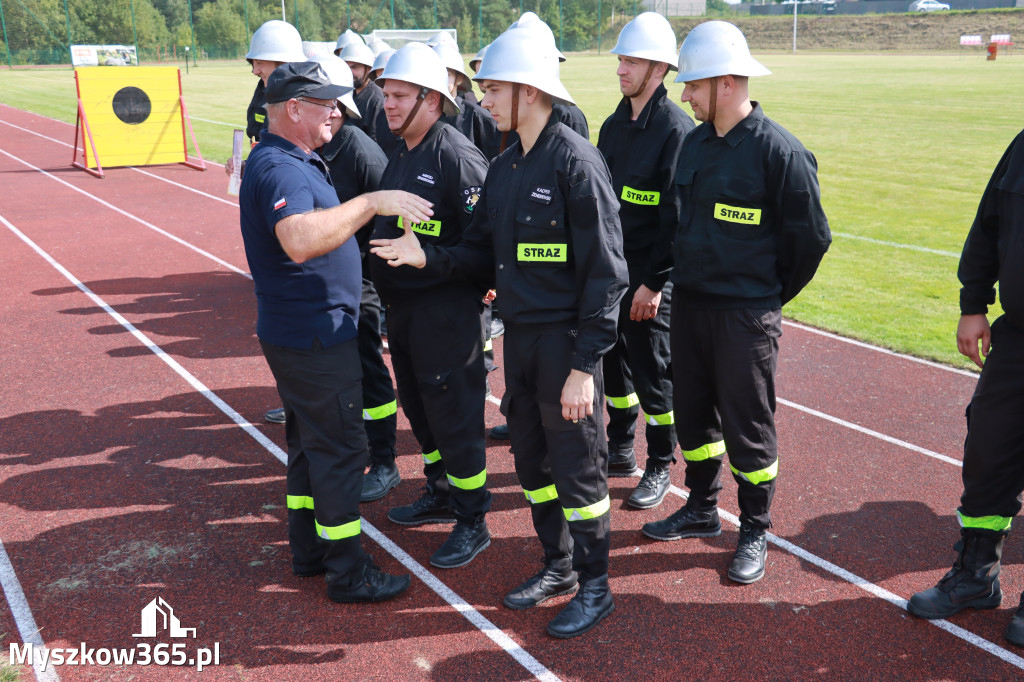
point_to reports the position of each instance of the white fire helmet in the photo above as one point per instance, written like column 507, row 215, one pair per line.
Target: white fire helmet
column 418, row 64
column 340, row 74
column 535, row 24
column 377, row 46
column 347, row 38
column 519, row 56
column 380, row 61
column 716, row 48
column 452, row 60
column 474, row 63
column 358, row 53
column 650, row 37
column 276, row 41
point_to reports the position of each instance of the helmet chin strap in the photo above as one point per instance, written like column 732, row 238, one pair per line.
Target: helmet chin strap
column 412, row 114
column 643, row 86
column 713, row 101
column 515, row 117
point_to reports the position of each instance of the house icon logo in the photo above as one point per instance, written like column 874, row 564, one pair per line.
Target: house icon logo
column 158, row 615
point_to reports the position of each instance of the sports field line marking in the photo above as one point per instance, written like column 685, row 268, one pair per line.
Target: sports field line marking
column 886, row 351
column 896, row 245
column 493, row 632
column 137, row 219
column 869, row 587
column 872, row 433
column 23, row 618
column 220, row 123
column 57, row 120
column 134, row 168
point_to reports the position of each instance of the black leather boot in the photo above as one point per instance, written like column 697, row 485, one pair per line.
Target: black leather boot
column 554, row 580
column 621, row 461
column 371, row 585
column 973, row 582
column 685, row 523
column 590, row 606
column 429, row 508
column 747, row 565
column 468, row 538
column 379, row 480
column 651, row 489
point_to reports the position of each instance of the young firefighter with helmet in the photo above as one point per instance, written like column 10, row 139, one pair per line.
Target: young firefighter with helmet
column 368, row 95
column 641, row 142
column 473, row 121
column 435, row 329
column 546, row 232
column 750, row 235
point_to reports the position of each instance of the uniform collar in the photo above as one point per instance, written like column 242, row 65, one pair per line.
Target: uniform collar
column 331, row 150
column 739, row 131
column 625, row 110
column 278, row 142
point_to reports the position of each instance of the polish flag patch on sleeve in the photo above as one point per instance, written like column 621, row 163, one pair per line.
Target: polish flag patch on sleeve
column 280, row 203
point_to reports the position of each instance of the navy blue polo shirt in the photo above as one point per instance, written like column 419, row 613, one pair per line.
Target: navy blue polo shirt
column 297, row 303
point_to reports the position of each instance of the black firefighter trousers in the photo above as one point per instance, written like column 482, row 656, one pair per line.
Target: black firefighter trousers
column 562, row 466
column 637, row 374
column 993, row 472
column 436, row 345
column 380, row 409
column 321, row 392
column 726, row 360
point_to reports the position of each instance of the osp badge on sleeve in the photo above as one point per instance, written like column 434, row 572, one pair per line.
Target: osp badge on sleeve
column 470, row 195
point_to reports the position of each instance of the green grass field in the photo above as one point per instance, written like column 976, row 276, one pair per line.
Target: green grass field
column 905, row 145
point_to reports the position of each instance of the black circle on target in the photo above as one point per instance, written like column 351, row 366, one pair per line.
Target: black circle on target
column 132, row 105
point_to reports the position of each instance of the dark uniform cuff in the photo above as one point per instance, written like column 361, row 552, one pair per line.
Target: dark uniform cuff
column 584, row 364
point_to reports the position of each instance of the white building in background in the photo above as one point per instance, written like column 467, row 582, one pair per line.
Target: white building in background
column 680, row 8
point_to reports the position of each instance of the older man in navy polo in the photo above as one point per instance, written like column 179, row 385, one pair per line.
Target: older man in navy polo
column 307, row 275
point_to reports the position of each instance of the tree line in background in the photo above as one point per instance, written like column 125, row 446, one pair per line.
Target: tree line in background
column 40, row 31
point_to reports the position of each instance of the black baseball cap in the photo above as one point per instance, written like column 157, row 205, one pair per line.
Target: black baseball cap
column 301, row 79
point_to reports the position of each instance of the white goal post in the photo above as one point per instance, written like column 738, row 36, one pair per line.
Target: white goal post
column 396, row 37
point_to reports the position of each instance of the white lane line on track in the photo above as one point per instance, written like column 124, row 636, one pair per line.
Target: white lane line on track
column 134, row 168
column 493, row 632
column 897, row 245
column 137, row 219
column 871, row 588
column 240, row 126
column 886, row 351
column 23, row 618
column 872, row 433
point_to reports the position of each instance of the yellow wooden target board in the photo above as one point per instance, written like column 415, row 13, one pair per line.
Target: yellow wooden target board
column 132, row 116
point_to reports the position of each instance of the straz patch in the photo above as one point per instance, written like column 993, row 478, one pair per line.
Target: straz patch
column 470, row 196
column 641, row 197
column 260, row 118
column 280, row 203
column 733, row 214
column 542, row 253
column 431, row 228
column 426, row 179
column 541, row 194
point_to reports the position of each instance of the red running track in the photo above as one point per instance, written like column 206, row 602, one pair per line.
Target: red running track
column 129, row 471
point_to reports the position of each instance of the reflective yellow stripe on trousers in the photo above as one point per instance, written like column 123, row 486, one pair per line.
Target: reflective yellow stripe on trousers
column 623, row 403
column 997, row 523
column 760, row 476
column 345, row 530
column 704, row 452
column 545, row 494
column 471, row 483
column 589, row 512
column 300, row 502
column 431, row 457
column 382, row 412
column 666, row 419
